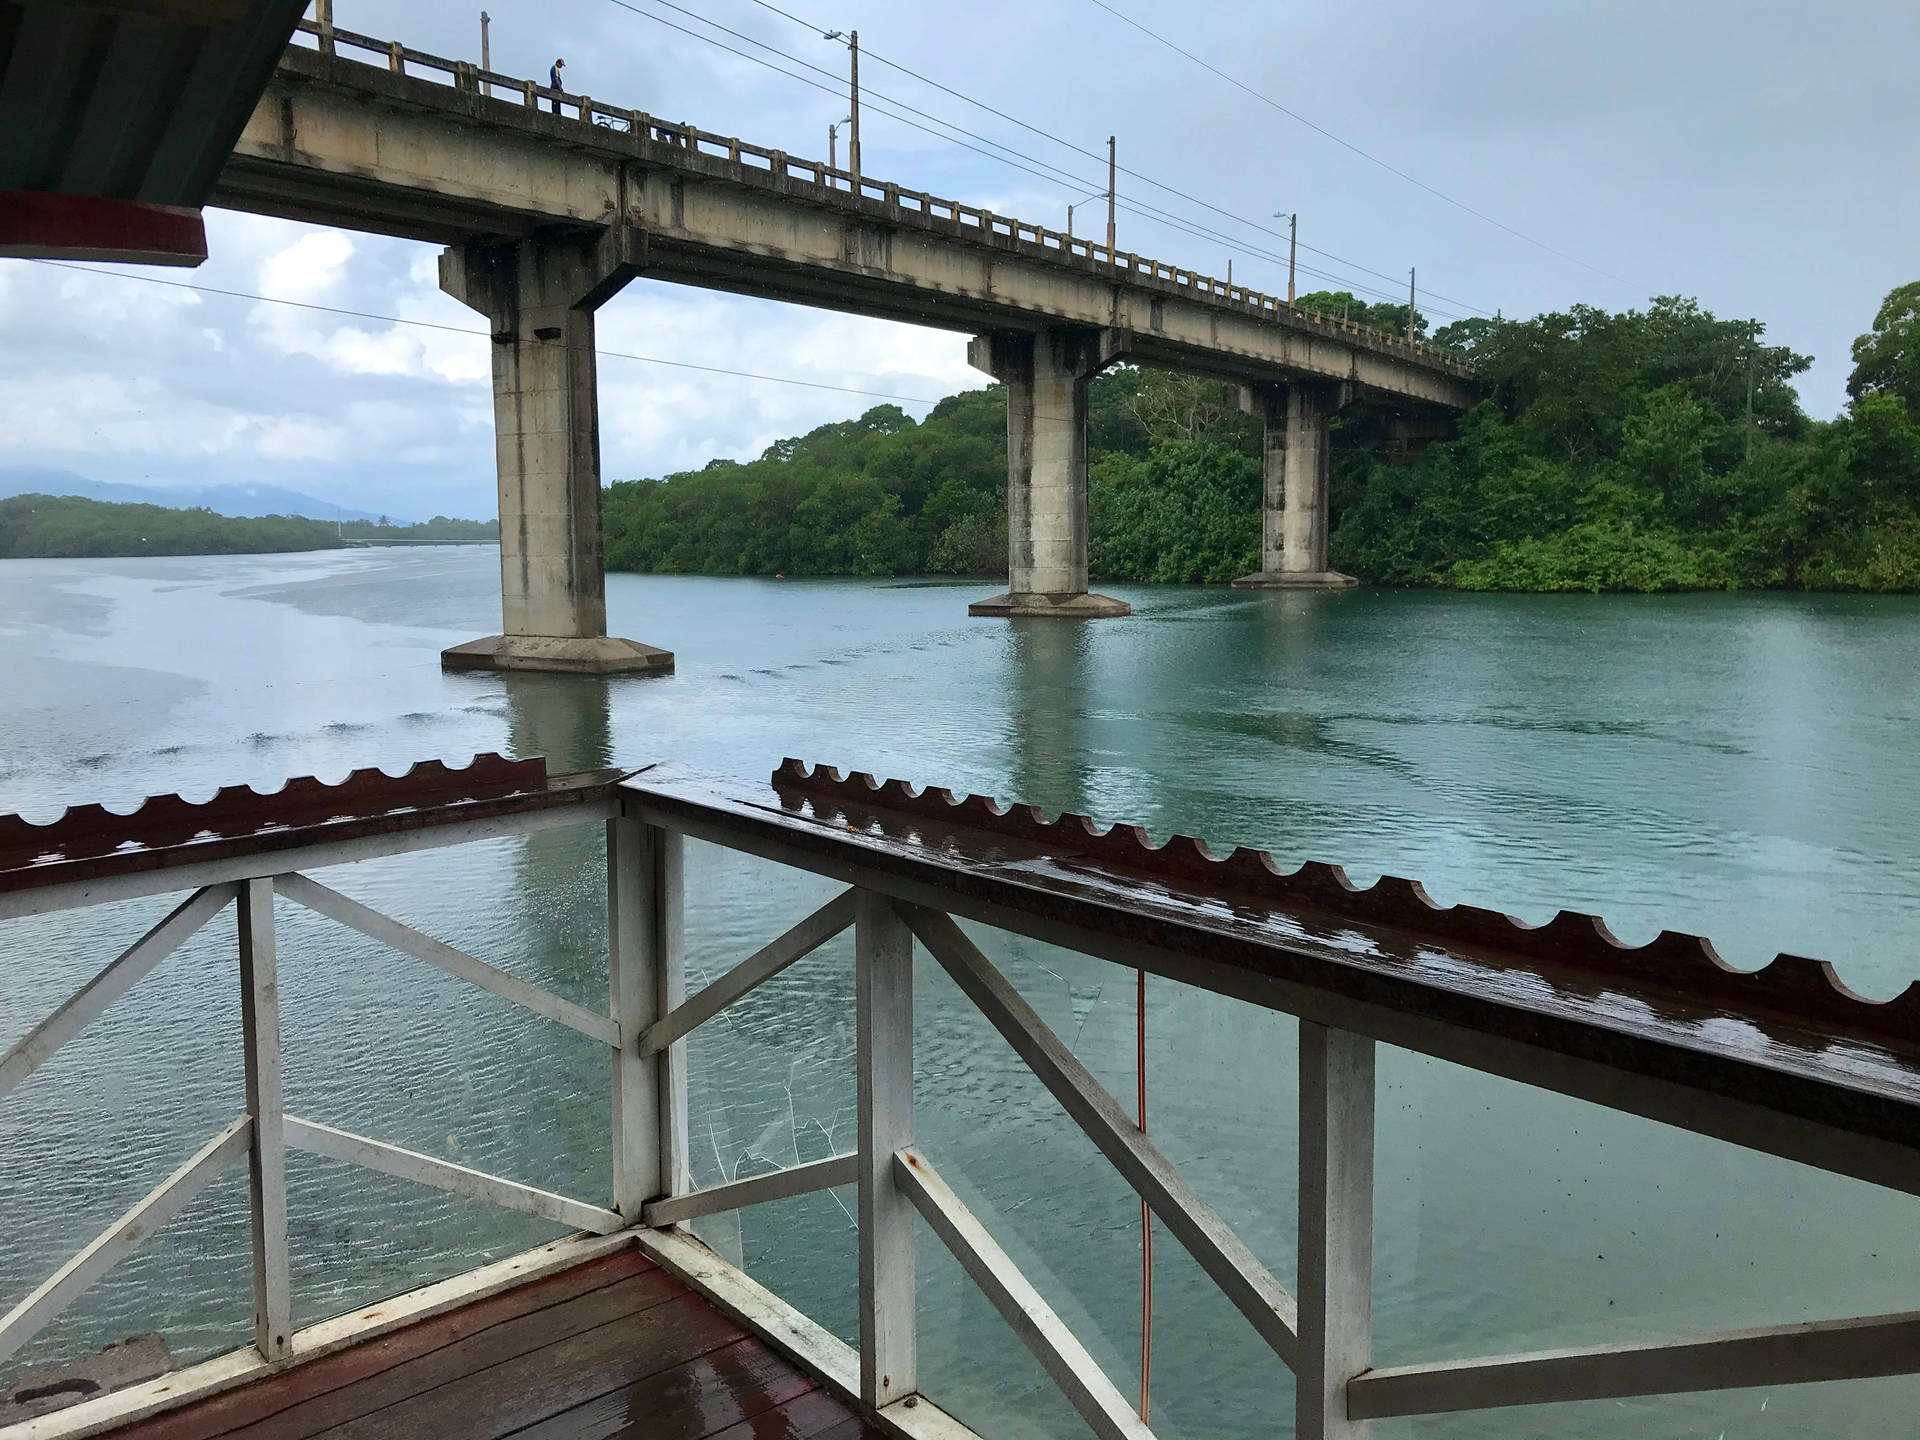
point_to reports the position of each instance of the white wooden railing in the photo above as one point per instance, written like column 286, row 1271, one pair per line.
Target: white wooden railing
column 1322, row 1333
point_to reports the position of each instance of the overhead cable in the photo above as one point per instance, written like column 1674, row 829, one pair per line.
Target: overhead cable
column 1057, row 175
column 480, row 334
column 1348, row 144
column 880, row 59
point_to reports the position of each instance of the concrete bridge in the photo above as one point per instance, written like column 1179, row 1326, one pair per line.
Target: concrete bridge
column 548, row 203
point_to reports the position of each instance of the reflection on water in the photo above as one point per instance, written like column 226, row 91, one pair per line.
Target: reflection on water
column 566, row 718
column 1048, row 672
column 1742, row 766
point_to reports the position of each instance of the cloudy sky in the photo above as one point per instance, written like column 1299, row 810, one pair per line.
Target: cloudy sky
column 1762, row 155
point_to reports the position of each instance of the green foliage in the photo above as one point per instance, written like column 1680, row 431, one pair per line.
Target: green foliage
column 440, row 527
column 1662, row 449
column 1186, row 512
column 65, row 526
column 1886, row 360
column 882, row 495
column 1616, row 452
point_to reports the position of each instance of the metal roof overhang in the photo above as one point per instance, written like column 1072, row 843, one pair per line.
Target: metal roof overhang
column 116, row 117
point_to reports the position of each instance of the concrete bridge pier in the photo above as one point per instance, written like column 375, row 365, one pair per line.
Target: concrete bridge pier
column 1046, row 376
column 539, row 295
column 1296, row 466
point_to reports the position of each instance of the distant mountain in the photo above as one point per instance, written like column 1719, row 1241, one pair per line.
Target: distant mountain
column 241, row 501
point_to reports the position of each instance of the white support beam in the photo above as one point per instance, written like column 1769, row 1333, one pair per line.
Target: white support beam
column 1064, row 1358
column 883, row 992
column 439, row 1174
column 647, row 978
column 267, row 1158
column 167, row 1200
column 756, row 1190
column 758, row 968
column 39, row 1044
column 404, row 938
column 1336, row 1229
column 1750, row 1122
column 1242, row 1278
column 1857, row 1349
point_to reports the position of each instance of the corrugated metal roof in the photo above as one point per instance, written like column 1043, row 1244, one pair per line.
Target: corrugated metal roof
column 132, row 99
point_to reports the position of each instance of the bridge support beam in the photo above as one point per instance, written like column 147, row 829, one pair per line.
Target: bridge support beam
column 539, row 295
column 1046, row 376
column 1296, row 468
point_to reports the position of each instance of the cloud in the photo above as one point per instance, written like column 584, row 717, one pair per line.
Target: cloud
column 1718, row 149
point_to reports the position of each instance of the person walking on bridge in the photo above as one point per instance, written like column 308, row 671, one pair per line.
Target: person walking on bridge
column 553, row 80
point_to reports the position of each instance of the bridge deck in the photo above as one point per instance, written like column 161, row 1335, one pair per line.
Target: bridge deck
column 613, row 1347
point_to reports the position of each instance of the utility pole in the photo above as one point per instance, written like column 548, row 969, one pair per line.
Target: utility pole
column 1110, row 173
column 1409, row 304
column 853, row 133
column 486, row 56
column 1293, row 249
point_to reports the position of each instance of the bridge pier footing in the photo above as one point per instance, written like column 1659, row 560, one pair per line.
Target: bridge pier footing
column 1046, row 376
column 1296, row 467
column 539, row 295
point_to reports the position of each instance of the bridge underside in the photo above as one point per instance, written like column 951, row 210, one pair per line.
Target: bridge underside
column 545, row 217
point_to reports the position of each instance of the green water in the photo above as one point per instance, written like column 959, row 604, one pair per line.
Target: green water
column 1745, row 767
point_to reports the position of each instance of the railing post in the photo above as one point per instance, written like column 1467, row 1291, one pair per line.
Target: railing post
column 267, row 1159
column 1336, row 1229
column 883, row 986
column 648, row 978
column 323, row 15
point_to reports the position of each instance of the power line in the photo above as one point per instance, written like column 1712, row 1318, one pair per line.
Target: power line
column 1348, row 144
column 1137, row 175
column 1057, row 176
column 479, row 334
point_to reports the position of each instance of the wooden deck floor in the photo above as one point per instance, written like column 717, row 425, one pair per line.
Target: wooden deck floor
column 614, row 1347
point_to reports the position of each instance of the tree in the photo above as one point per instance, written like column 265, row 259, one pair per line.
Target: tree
column 1886, row 360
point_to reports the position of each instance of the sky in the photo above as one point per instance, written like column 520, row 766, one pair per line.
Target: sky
column 1763, row 156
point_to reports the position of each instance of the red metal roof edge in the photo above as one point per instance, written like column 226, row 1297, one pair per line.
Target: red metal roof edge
column 89, row 831
column 1790, row 987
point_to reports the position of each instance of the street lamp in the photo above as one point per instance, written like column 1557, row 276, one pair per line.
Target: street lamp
column 1293, row 244
column 833, row 140
column 1095, row 195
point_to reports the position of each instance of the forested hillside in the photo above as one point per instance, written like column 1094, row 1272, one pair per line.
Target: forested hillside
column 49, row 526
column 1646, row 450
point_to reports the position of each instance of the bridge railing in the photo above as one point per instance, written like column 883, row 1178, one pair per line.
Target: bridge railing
column 1836, row 1086
column 466, row 77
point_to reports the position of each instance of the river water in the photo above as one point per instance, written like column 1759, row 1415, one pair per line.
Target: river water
column 1746, row 767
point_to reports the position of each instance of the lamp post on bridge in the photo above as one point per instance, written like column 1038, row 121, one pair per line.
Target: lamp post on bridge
column 1091, row 195
column 852, row 37
column 1292, row 217
column 833, row 140
column 486, row 56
